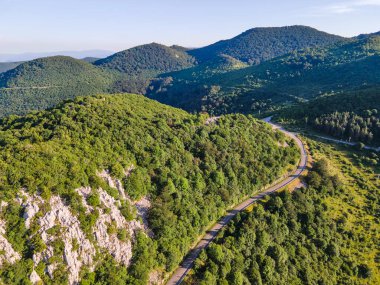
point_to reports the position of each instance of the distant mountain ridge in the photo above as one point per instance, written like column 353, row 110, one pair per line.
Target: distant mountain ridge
column 45, row 82
column 149, row 58
column 34, row 55
column 260, row 44
column 160, row 71
column 138, row 65
column 51, row 71
column 297, row 76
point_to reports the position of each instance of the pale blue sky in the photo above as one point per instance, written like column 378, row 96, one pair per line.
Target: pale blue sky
column 49, row 25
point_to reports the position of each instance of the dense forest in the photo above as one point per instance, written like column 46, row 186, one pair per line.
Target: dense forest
column 350, row 116
column 321, row 234
column 46, row 82
column 148, row 58
column 191, row 171
column 260, row 44
column 43, row 83
column 131, row 175
column 293, row 78
column 350, row 126
column 57, row 71
column 140, row 64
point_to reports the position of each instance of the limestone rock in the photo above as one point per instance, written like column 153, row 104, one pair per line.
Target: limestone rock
column 8, row 254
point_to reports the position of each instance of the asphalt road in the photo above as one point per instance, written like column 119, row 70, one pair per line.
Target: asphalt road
column 187, row 264
column 347, row 143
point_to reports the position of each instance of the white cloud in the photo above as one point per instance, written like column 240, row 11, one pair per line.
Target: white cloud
column 344, row 7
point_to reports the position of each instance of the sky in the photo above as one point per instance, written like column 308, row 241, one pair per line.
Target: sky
column 53, row 25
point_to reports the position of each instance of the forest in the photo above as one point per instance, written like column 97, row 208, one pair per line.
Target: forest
column 147, row 69
column 66, row 124
column 319, row 234
column 44, row 83
column 261, row 44
column 352, row 116
column 294, row 78
column 192, row 172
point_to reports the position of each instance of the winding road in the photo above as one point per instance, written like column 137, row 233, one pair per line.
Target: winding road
column 180, row 273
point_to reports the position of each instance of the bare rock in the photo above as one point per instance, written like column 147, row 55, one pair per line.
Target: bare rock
column 114, row 183
column 34, row 278
column 156, row 278
column 120, row 250
column 8, row 254
column 143, row 206
column 31, row 206
column 61, row 215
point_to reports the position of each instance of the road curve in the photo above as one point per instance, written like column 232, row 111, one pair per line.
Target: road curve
column 187, row 264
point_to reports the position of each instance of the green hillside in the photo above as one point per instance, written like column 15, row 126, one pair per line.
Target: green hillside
column 142, row 63
column 54, row 71
column 150, row 59
column 300, row 75
column 353, row 116
column 260, row 44
column 190, row 170
column 326, row 233
column 90, row 59
column 45, row 82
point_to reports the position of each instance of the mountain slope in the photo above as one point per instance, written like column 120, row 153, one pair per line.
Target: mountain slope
column 140, row 64
column 114, row 188
column 291, row 78
column 45, row 82
column 260, row 44
column 147, row 59
column 324, row 233
column 52, row 71
column 353, row 116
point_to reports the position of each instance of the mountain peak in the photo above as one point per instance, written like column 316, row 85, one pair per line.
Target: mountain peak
column 146, row 58
column 263, row 43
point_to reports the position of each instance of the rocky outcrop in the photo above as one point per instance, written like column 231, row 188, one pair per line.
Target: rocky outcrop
column 114, row 183
column 34, row 278
column 84, row 192
column 211, row 120
column 143, row 206
column 120, row 250
column 70, row 232
column 31, row 206
column 156, row 278
column 55, row 222
column 8, row 254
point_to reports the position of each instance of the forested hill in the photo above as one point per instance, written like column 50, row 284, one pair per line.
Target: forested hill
column 138, row 65
column 52, row 72
column 353, row 116
column 46, row 82
column 150, row 59
column 260, row 44
column 368, row 35
column 124, row 184
column 300, row 75
column 325, row 233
